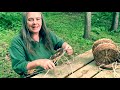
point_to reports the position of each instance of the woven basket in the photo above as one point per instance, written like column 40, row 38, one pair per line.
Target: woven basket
column 105, row 53
column 100, row 41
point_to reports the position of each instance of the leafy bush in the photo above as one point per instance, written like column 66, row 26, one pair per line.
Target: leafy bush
column 102, row 19
column 10, row 20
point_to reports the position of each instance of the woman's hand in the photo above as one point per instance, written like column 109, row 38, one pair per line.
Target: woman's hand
column 67, row 48
column 45, row 63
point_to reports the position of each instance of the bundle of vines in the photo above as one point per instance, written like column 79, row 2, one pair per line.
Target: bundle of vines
column 105, row 52
column 57, row 55
column 100, row 41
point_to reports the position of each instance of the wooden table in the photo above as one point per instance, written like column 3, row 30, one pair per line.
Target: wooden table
column 82, row 66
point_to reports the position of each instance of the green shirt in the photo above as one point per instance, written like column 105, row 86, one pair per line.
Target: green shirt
column 20, row 57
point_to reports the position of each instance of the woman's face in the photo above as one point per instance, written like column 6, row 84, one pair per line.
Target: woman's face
column 34, row 21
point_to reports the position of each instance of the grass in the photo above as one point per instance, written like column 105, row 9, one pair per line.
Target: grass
column 67, row 25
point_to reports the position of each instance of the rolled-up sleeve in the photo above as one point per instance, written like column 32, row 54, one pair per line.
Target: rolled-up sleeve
column 18, row 59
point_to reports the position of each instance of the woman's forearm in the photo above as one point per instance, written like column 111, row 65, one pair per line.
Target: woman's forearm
column 45, row 63
column 32, row 65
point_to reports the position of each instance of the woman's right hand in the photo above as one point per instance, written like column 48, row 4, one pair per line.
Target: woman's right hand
column 45, row 63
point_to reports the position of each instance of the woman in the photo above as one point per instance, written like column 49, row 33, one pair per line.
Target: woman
column 33, row 47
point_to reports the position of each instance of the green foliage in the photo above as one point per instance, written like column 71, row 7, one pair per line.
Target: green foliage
column 10, row 20
column 102, row 19
column 6, row 71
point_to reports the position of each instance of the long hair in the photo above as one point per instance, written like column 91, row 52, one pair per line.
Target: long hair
column 44, row 34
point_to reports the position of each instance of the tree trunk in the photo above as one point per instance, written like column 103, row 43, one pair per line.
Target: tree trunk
column 115, row 21
column 87, row 27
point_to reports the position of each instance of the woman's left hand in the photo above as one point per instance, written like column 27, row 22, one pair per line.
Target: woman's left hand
column 68, row 48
